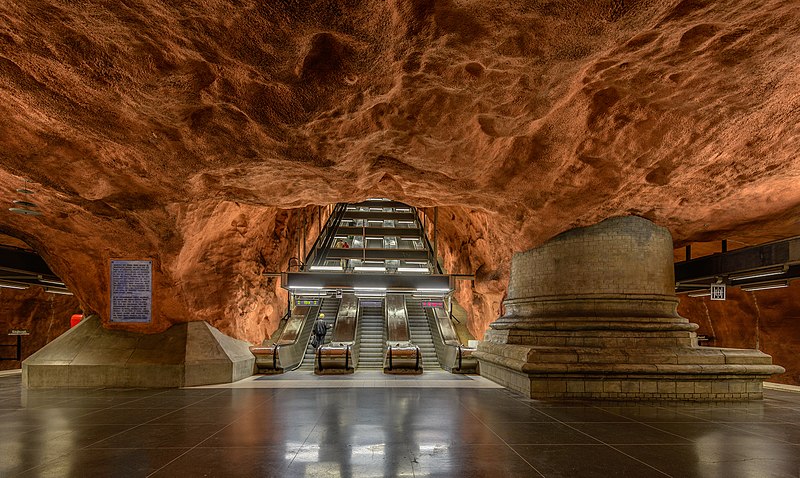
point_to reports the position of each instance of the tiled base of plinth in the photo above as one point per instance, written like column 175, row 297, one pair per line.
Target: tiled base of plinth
column 622, row 387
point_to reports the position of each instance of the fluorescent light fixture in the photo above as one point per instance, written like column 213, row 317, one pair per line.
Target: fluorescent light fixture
column 765, row 286
column 432, row 290
column 412, row 269
column 326, row 268
column 369, row 269
column 756, row 274
column 312, row 287
column 58, row 291
column 26, row 212
column 376, row 293
column 5, row 285
column 27, row 204
column 54, row 282
column 699, row 293
column 370, row 288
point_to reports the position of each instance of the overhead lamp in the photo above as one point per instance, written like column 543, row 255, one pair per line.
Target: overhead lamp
column 51, row 290
column 25, row 212
column 756, row 274
column 13, row 285
column 326, row 268
column 313, row 287
column 432, row 290
column 699, row 293
column 24, row 190
column 412, row 269
column 24, row 203
column 54, row 282
column 370, row 288
column 369, row 269
column 766, row 285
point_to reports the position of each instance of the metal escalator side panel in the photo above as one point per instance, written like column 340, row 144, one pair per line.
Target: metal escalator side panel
column 445, row 327
column 396, row 319
column 294, row 325
column 345, row 327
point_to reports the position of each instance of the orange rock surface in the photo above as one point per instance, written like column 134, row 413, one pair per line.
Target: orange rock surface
column 45, row 316
column 202, row 134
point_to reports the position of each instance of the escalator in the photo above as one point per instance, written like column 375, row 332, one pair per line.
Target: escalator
column 421, row 334
column 329, row 307
column 371, row 336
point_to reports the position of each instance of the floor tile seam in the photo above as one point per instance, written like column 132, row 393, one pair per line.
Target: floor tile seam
column 688, row 441
column 636, row 459
column 762, row 435
column 187, row 451
column 503, row 441
column 305, row 440
column 168, row 411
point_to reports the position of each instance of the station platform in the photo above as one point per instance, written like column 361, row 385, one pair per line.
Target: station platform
column 398, row 426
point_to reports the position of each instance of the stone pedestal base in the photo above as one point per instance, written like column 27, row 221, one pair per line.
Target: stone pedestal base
column 592, row 314
column 88, row 355
column 702, row 374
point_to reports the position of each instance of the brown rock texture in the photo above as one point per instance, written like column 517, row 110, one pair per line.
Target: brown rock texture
column 45, row 316
column 767, row 320
column 201, row 134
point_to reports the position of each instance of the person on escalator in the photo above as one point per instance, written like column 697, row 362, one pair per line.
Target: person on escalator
column 320, row 331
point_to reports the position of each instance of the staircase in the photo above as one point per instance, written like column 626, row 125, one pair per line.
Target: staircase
column 421, row 334
column 329, row 307
column 372, row 337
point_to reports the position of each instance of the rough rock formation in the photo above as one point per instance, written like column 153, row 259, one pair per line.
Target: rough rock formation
column 200, row 134
column 45, row 316
column 768, row 320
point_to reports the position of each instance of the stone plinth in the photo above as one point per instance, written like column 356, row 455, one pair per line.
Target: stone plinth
column 187, row 354
column 592, row 314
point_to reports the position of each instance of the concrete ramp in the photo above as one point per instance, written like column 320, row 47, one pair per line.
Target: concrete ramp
column 189, row 354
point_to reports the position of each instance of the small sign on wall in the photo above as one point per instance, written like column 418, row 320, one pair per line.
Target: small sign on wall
column 131, row 291
column 717, row 291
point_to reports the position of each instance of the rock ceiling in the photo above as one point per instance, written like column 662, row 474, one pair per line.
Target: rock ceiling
column 195, row 132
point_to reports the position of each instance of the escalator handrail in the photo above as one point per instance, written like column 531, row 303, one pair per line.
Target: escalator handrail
column 332, row 225
column 436, row 267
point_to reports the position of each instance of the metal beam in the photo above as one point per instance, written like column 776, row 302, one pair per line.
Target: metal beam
column 26, row 262
column 398, row 282
column 706, row 270
column 378, row 231
column 380, row 215
column 419, row 254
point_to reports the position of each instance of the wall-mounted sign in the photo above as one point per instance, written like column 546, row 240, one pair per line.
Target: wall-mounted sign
column 19, row 332
column 432, row 303
column 131, row 291
column 717, row 291
column 308, row 302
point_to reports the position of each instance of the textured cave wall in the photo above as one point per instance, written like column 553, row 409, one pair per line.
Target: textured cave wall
column 767, row 320
column 45, row 315
column 192, row 133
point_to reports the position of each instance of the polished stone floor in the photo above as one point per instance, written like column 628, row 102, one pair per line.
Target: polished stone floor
column 371, row 431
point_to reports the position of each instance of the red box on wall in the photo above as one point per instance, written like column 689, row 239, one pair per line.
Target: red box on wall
column 74, row 320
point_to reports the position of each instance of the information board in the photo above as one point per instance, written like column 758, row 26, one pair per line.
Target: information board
column 131, row 291
column 717, row 291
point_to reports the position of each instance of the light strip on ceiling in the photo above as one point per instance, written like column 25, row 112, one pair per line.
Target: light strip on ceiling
column 370, row 288
column 369, row 269
column 757, row 274
column 433, row 290
column 699, row 293
column 13, row 286
column 312, row 287
column 765, row 286
column 326, row 268
column 58, row 291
